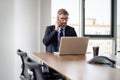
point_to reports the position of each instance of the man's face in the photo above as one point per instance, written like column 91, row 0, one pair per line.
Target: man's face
column 63, row 19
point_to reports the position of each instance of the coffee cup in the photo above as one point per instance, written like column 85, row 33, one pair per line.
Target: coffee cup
column 95, row 50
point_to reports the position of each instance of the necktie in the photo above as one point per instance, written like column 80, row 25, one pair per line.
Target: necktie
column 61, row 33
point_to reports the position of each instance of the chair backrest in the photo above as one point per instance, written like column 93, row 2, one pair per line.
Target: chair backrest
column 35, row 68
column 24, row 74
column 30, row 65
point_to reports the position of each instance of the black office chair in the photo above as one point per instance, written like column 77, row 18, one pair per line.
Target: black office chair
column 24, row 74
column 36, row 68
column 28, row 74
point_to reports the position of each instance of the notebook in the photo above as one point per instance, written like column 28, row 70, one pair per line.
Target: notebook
column 73, row 45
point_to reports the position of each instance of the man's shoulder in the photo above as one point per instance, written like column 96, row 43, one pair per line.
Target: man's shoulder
column 69, row 27
column 51, row 27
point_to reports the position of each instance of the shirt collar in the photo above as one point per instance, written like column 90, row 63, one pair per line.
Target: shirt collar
column 62, row 28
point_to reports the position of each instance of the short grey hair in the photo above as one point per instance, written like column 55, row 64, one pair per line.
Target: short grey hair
column 62, row 11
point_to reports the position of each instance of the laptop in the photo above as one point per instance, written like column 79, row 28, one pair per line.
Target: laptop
column 73, row 45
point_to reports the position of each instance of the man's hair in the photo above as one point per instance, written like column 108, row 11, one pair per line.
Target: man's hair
column 62, row 11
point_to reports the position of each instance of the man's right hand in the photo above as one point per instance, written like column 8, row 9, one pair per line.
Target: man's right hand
column 57, row 24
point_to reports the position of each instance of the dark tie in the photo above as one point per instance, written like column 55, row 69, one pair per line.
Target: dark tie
column 61, row 33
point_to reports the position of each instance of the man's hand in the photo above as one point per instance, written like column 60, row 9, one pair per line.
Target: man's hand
column 57, row 25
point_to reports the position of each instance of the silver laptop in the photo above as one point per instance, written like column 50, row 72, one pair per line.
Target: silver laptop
column 73, row 45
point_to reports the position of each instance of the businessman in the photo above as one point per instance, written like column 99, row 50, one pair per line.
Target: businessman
column 54, row 33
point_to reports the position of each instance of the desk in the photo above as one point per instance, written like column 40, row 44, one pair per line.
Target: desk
column 77, row 68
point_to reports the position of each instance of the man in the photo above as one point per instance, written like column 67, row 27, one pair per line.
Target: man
column 52, row 34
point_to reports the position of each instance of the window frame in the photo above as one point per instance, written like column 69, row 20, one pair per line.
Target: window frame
column 111, row 35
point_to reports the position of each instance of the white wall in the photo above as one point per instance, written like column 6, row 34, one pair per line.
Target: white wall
column 7, row 40
column 27, row 24
column 27, row 29
column 22, row 26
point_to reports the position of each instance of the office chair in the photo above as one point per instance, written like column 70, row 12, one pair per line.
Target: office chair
column 36, row 68
column 28, row 73
column 24, row 74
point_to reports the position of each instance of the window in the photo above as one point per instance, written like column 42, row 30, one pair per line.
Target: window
column 98, row 18
column 94, row 26
column 105, row 45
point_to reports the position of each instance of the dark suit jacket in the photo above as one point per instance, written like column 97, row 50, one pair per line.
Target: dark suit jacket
column 50, row 39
